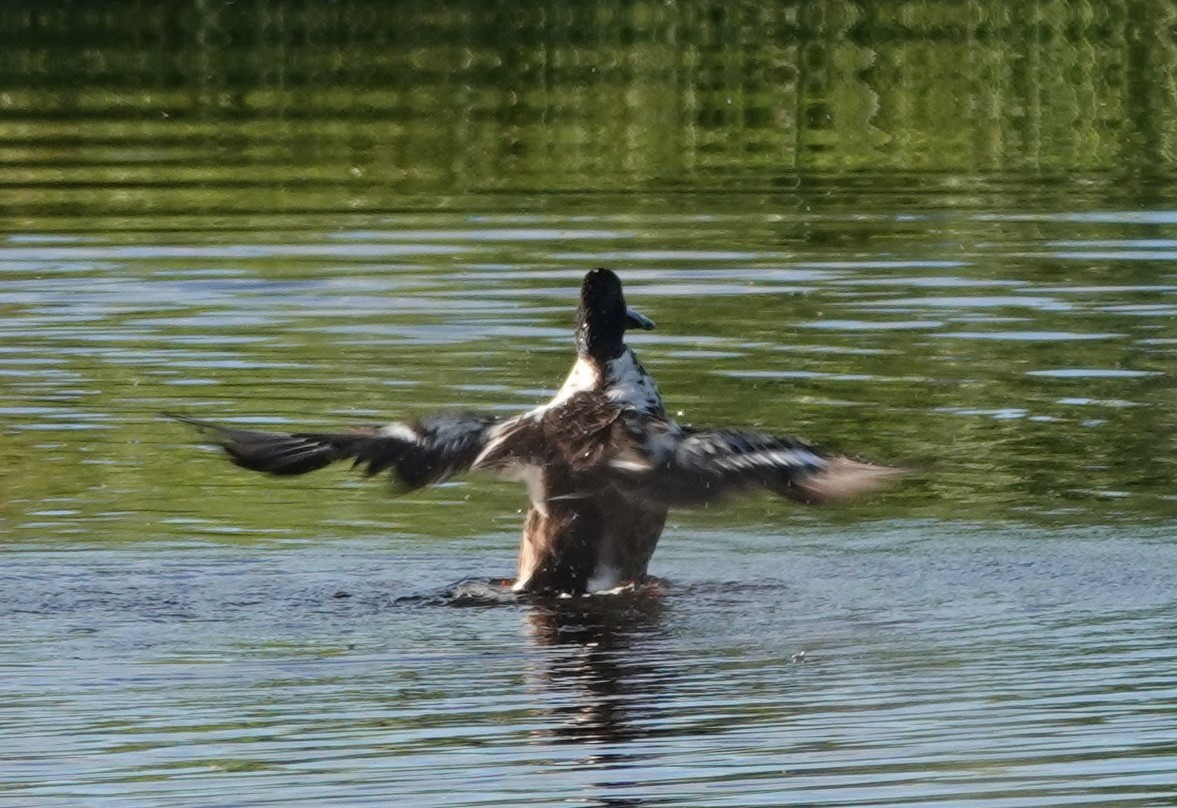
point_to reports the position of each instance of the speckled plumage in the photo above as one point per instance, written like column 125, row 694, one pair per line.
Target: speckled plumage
column 602, row 462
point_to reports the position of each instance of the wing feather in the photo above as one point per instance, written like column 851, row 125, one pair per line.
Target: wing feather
column 417, row 454
column 698, row 467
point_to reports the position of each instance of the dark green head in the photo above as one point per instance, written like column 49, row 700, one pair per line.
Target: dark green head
column 603, row 317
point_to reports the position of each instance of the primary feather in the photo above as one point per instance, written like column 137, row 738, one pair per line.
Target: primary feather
column 417, row 453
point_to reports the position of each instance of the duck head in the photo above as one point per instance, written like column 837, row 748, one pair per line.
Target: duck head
column 603, row 317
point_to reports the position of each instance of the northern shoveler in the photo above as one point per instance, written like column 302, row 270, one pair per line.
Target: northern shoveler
column 602, row 462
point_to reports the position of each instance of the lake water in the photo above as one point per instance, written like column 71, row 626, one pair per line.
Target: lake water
column 940, row 236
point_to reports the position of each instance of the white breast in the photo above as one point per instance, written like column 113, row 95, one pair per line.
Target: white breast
column 585, row 375
column 628, row 384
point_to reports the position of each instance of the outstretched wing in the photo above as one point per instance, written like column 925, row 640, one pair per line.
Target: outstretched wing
column 417, row 453
column 701, row 466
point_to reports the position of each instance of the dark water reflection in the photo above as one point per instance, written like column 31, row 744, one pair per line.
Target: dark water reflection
column 933, row 234
column 912, row 664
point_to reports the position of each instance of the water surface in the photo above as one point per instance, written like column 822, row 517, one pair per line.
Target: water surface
column 940, row 237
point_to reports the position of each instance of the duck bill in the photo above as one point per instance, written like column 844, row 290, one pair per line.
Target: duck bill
column 635, row 319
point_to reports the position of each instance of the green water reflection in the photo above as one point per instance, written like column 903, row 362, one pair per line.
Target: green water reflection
column 1018, row 379
column 177, row 108
column 924, row 170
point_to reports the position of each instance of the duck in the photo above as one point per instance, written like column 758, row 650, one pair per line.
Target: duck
column 602, row 462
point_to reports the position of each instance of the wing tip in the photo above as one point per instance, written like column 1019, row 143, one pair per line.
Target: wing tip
column 184, row 419
column 277, row 453
column 845, row 479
